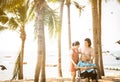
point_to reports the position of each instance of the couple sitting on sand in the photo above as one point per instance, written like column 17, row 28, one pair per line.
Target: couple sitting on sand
column 82, row 59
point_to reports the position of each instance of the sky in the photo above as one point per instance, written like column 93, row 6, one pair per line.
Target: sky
column 82, row 25
column 81, row 28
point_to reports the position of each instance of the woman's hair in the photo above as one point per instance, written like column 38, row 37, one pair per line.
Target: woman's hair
column 76, row 43
column 89, row 41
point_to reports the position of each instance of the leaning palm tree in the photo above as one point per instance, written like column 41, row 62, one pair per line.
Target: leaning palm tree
column 20, row 16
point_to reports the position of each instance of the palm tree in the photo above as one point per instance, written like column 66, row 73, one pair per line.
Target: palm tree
column 43, row 18
column 78, row 6
column 59, row 39
column 40, row 4
column 96, row 15
column 68, row 3
column 99, row 39
column 59, row 30
column 95, row 24
column 19, row 19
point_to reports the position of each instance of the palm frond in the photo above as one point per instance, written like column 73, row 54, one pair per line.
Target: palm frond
column 51, row 20
column 30, row 12
column 2, row 27
column 25, row 12
column 53, row 1
column 78, row 6
column 35, row 30
column 118, row 1
column 2, row 12
column 21, row 14
column 3, row 19
column 10, row 5
column 13, row 24
column 3, row 16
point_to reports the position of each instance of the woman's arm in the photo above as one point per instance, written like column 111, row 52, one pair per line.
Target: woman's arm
column 92, row 55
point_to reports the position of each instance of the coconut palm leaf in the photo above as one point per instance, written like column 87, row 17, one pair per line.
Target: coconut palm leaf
column 12, row 24
column 78, row 6
column 118, row 1
column 53, row 1
column 30, row 12
column 51, row 20
column 2, row 28
column 10, row 5
column 25, row 12
column 22, row 12
column 2, row 12
column 3, row 19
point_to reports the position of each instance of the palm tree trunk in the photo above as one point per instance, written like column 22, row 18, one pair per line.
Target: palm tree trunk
column 69, row 24
column 99, row 39
column 59, row 39
column 41, row 39
column 43, row 74
column 23, row 37
column 95, row 33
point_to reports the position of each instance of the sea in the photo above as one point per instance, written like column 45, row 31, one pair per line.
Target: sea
column 109, row 62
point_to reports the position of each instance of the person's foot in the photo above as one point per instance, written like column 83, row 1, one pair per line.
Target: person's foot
column 3, row 67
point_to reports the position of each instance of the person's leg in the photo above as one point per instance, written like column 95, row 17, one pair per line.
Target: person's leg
column 85, row 80
column 94, row 81
column 73, row 74
column 84, row 75
column 94, row 76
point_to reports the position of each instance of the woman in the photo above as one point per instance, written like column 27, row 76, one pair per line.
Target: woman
column 74, row 58
column 88, row 50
